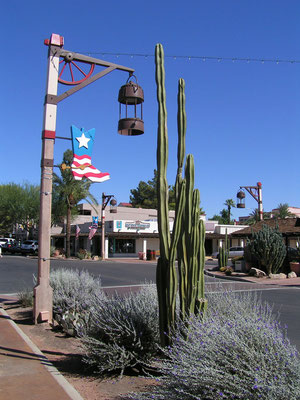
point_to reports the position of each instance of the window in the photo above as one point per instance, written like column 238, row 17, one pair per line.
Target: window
column 84, row 212
column 124, row 246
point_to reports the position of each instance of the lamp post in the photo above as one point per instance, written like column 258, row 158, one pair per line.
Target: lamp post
column 256, row 193
column 68, row 61
column 105, row 199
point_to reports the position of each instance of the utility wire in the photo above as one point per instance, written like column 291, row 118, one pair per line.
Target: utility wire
column 203, row 58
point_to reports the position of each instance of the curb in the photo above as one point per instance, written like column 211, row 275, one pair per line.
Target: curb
column 60, row 379
column 228, row 278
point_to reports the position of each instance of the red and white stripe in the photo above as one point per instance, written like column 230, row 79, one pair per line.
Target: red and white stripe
column 90, row 172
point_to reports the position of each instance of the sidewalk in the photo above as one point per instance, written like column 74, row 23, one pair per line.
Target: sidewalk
column 25, row 373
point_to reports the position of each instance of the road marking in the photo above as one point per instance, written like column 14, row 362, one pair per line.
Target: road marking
column 124, row 286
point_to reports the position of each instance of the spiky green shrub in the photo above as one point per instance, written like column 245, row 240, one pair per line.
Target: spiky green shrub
column 237, row 351
column 74, row 293
column 122, row 332
column 268, row 248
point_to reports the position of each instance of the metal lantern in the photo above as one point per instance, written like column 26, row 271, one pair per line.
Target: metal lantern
column 241, row 199
column 113, row 206
column 131, row 96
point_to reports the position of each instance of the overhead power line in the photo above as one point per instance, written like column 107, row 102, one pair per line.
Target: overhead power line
column 203, row 58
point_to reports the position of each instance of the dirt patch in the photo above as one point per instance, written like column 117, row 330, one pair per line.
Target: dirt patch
column 65, row 354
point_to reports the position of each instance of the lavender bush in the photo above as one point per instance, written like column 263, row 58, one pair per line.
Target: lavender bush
column 237, row 351
column 122, row 332
column 74, row 293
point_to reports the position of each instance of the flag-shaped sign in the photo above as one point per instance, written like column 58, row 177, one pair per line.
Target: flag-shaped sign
column 82, row 143
column 93, row 228
column 77, row 232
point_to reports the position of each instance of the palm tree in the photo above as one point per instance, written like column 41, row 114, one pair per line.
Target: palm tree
column 229, row 203
column 255, row 217
column 67, row 193
column 282, row 211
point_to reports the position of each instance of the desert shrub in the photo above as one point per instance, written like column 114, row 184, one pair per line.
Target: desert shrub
column 268, row 249
column 74, row 293
column 122, row 332
column 237, row 351
column 25, row 298
column 52, row 250
column 83, row 254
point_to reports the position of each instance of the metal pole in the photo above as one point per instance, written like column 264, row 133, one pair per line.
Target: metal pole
column 103, row 227
column 43, row 292
column 42, row 309
column 260, row 205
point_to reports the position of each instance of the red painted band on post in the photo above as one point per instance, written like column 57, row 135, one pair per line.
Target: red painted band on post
column 48, row 134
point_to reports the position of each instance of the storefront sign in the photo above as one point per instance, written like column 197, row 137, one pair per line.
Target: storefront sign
column 137, row 225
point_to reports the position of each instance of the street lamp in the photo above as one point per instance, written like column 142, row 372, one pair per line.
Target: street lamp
column 113, row 202
column 61, row 62
column 256, row 193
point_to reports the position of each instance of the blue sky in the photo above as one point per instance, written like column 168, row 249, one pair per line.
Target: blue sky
column 243, row 118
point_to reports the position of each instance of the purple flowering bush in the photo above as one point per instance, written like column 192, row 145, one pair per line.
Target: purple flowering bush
column 237, row 351
column 122, row 332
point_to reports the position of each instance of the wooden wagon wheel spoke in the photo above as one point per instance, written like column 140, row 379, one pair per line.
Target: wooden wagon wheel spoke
column 70, row 78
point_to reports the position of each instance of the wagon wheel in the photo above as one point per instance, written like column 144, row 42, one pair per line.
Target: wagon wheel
column 74, row 72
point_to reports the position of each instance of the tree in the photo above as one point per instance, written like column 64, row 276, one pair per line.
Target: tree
column 229, row 203
column 254, row 217
column 19, row 204
column 222, row 217
column 67, row 193
column 282, row 211
column 145, row 195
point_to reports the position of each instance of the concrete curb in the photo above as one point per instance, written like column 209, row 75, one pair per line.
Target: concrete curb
column 60, row 379
column 228, row 278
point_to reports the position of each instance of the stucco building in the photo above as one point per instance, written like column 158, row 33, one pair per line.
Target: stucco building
column 130, row 231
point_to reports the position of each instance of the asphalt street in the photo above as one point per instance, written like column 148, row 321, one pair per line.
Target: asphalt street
column 17, row 273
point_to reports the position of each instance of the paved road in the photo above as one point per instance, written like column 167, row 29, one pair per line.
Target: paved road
column 16, row 274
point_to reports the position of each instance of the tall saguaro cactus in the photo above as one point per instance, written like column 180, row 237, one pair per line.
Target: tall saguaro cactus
column 187, row 240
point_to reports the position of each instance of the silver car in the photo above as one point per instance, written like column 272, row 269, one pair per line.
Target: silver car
column 29, row 247
column 234, row 251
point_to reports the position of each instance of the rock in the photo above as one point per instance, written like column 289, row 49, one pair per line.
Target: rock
column 277, row 276
column 257, row 273
column 96, row 258
column 292, row 275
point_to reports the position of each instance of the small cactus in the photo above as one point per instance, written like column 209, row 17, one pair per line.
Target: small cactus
column 223, row 253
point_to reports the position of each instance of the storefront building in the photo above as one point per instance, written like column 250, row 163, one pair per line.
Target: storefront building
column 129, row 232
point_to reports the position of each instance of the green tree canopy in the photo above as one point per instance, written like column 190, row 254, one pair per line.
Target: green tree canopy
column 222, row 217
column 145, row 195
column 254, row 217
column 19, row 204
column 283, row 211
column 67, row 193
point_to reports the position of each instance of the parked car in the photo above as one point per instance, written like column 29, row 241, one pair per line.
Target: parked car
column 233, row 252
column 29, row 247
column 15, row 248
column 6, row 243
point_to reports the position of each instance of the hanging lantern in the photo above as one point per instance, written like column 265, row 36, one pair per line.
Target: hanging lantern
column 240, row 199
column 113, row 206
column 131, row 96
